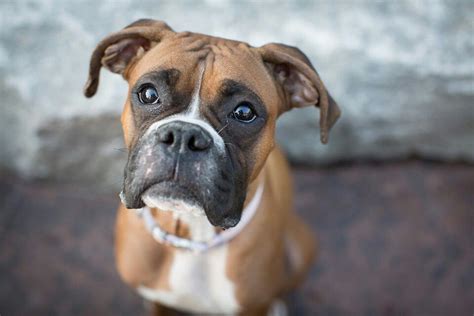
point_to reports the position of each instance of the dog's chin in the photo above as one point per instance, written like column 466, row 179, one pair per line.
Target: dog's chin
column 174, row 202
column 181, row 201
column 173, row 205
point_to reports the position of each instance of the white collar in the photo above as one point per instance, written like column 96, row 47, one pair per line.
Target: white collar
column 225, row 236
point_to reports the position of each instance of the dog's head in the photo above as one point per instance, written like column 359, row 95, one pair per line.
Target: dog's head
column 200, row 114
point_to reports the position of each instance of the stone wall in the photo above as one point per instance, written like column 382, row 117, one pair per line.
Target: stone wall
column 402, row 72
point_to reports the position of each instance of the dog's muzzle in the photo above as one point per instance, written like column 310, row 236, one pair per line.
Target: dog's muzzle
column 177, row 166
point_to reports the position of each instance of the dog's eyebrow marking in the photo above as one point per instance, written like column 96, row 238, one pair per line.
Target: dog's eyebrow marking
column 230, row 87
column 193, row 110
column 169, row 76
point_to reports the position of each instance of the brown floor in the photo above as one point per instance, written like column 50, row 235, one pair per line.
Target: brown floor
column 396, row 239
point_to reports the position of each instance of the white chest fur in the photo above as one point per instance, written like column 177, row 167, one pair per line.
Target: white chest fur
column 197, row 281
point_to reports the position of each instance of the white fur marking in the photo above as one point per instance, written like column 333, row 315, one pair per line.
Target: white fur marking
column 200, row 228
column 198, row 284
column 176, row 206
column 193, row 110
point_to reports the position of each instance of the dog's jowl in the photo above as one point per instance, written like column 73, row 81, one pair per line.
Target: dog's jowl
column 206, row 223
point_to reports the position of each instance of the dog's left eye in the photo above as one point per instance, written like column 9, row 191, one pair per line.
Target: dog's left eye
column 148, row 95
column 244, row 113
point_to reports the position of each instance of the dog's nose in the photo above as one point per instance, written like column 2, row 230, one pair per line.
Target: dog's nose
column 183, row 137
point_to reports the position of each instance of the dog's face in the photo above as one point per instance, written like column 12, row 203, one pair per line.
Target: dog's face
column 200, row 115
column 199, row 123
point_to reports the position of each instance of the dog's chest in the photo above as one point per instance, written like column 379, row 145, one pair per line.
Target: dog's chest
column 197, row 282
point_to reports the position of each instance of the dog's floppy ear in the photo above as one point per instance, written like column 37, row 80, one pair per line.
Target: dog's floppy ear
column 119, row 50
column 301, row 83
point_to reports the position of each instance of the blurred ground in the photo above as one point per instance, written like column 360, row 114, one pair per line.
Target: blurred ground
column 395, row 239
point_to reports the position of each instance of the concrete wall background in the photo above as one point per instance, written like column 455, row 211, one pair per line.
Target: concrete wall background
column 403, row 73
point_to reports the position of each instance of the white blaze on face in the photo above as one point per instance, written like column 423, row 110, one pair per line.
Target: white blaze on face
column 193, row 109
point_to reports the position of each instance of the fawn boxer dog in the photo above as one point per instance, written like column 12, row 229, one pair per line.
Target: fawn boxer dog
column 206, row 223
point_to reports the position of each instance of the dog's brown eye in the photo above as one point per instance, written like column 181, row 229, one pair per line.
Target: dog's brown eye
column 148, row 95
column 244, row 113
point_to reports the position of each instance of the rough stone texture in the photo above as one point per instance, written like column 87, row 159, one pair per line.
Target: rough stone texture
column 402, row 72
column 66, row 144
column 394, row 239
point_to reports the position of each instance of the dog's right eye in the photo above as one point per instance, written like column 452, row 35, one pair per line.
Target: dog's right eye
column 148, row 95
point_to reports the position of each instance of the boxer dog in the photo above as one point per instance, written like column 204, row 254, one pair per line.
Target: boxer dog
column 206, row 223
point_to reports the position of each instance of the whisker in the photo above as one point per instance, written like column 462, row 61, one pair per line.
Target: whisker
column 231, row 144
column 222, row 128
column 123, row 150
